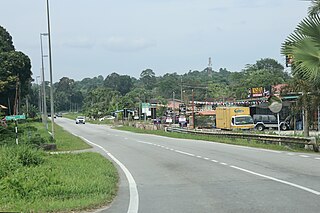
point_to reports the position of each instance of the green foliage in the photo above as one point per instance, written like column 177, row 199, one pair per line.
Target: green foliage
column 314, row 9
column 304, row 45
column 61, row 183
column 148, row 79
column 15, row 69
column 6, row 44
column 15, row 157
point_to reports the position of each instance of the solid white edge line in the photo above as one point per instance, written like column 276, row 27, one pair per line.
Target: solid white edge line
column 134, row 196
column 278, row 180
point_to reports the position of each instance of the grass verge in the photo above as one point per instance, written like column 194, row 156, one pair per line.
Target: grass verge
column 66, row 141
column 57, row 183
column 235, row 141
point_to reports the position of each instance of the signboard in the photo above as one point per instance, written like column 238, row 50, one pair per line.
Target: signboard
column 15, row 117
column 146, row 108
column 289, row 60
column 257, row 92
column 182, row 109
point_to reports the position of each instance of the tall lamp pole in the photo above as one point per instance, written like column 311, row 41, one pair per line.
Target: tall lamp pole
column 44, row 108
column 39, row 88
column 50, row 67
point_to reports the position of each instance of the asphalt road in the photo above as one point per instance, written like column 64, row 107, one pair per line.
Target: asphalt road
column 159, row 174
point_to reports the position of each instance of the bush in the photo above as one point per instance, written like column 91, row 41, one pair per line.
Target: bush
column 15, row 157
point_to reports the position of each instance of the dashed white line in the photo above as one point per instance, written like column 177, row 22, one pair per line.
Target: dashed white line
column 251, row 172
column 278, row 180
column 185, row 153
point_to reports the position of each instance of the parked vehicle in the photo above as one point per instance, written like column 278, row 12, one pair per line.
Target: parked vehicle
column 262, row 122
column 233, row 118
column 80, row 120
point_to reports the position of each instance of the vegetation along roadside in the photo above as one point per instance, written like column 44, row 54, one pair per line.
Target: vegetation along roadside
column 32, row 180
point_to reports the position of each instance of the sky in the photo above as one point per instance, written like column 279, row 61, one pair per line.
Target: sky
column 99, row 37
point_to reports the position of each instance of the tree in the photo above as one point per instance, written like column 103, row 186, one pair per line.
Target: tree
column 304, row 45
column 6, row 44
column 314, row 8
column 148, row 79
column 120, row 83
column 15, row 75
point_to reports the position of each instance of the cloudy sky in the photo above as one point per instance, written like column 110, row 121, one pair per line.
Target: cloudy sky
column 98, row 37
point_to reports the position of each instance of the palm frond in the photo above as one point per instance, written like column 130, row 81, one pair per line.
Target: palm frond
column 314, row 8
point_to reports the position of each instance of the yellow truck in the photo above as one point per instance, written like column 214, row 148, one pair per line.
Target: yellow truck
column 233, row 118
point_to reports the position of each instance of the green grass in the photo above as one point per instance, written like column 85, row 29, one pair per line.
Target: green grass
column 235, row 141
column 66, row 141
column 65, row 182
column 63, row 139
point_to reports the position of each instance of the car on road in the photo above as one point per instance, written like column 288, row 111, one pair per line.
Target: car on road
column 80, row 120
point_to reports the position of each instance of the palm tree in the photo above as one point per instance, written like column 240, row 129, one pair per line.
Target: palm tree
column 304, row 45
column 314, row 8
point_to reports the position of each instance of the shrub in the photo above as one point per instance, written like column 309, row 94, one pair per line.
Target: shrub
column 17, row 156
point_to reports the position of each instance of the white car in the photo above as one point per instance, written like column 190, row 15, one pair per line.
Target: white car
column 80, row 120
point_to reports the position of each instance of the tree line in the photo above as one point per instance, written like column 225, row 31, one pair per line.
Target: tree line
column 100, row 96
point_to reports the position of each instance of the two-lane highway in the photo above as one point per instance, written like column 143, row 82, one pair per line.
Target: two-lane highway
column 160, row 174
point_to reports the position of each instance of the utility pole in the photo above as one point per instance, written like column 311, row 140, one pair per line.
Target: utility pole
column 209, row 76
column 181, row 91
column 51, row 78
column 39, row 88
column 194, row 126
column 44, row 108
column 173, row 108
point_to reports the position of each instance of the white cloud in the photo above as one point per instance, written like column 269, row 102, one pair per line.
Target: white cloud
column 122, row 44
column 83, row 43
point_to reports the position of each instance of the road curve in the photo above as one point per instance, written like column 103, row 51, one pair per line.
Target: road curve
column 178, row 175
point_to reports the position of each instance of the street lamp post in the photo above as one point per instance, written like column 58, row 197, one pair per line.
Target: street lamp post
column 50, row 65
column 39, row 98
column 44, row 107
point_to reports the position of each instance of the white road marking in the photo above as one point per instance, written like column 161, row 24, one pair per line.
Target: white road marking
column 290, row 154
column 255, row 173
column 134, row 196
column 278, row 180
column 185, row 153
